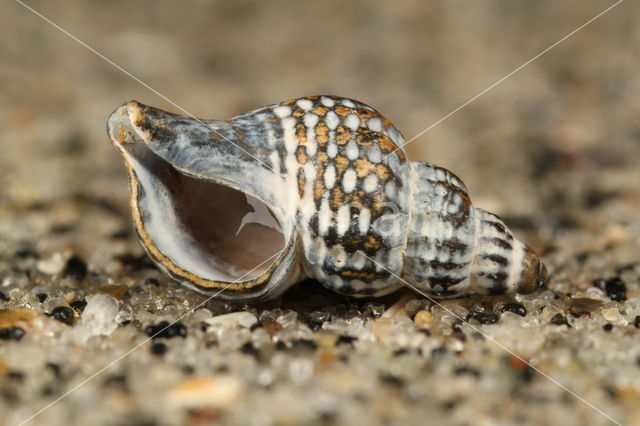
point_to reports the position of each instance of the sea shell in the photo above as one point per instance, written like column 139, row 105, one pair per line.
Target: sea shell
column 349, row 209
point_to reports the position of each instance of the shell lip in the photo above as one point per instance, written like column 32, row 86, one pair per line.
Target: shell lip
column 132, row 134
column 134, row 120
column 262, row 293
column 118, row 127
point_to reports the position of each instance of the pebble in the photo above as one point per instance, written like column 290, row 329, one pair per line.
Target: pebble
column 26, row 253
column 319, row 317
column 413, row 306
column 63, row 314
column 382, row 328
column 55, row 368
column 374, row 309
column 260, row 337
column 249, row 349
column 397, row 308
column 11, row 317
column 522, row 367
column 78, row 305
column 325, row 339
column 518, row 363
column 216, row 392
column 75, row 268
column 346, row 339
column 117, row 291
column 243, row 319
column 515, row 308
column 615, row 288
column 4, row 368
column 4, row 297
column 166, row 330
column 439, row 352
column 610, row 314
column 304, row 343
column 300, row 370
column 467, row 370
column 11, row 333
column 392, row 380
column 99, row 316
column 271, row 327
column 315, row 326
column 288, row 319
column 116, row 381
column 636, row 321
column 483, row 317
column 581, row 306
column 41, row 297
column 52, row 265
column 152, row 281
column 200, row 316
column 423, row 319
column 559, row 319
column 16, row 375
column 607, row 327
column 315, row 319
column 158, row 348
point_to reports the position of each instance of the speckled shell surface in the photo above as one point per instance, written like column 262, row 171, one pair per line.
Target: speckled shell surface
column 355, row 213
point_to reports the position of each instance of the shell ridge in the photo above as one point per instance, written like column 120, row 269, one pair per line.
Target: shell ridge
column 412, row 183
column 472, row 275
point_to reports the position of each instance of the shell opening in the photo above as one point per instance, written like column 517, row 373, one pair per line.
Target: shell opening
column 204, row 228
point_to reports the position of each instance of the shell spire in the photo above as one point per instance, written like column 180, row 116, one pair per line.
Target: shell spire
column 347, row 207
column 455, row 249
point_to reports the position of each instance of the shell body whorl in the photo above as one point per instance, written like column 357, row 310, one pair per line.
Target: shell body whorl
column 353, row 211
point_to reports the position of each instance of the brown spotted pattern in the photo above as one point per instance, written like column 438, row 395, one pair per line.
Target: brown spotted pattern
column 350, row 173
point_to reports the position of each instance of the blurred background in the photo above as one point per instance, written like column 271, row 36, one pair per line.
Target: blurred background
column 577, row 106
column 554, row 149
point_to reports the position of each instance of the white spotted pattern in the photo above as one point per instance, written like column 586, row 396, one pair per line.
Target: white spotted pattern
column 324, row 217
column 332, row 149
column 374, row 124
column 290, row 140
column 364, row 220
column 310, row 120
column 328, row 102
column 352, row 150
column 330, row 177
column 352, row 121
column 349, row 180
column 305, row 104
column 348, row 103
column 332, row 120
column 282, row 111
column 371, row 182
column 343, row 219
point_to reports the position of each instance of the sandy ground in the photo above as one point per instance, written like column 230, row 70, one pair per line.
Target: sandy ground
column 554, row 149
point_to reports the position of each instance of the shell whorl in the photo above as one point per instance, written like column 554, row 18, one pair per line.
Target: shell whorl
column 355, row 213
column 455, row 249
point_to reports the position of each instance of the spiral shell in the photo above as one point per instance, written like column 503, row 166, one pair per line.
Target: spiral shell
column 349, row 209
